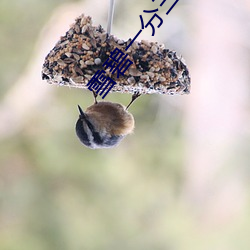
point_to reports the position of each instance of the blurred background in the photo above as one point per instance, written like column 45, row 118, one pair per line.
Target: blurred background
column 180, row 182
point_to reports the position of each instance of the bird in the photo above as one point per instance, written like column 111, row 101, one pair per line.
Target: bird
column 104, row 124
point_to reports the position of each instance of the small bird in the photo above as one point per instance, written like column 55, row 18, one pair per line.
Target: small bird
column 104, row 124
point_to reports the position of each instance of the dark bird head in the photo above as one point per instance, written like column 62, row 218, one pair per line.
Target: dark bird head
column 103, row 125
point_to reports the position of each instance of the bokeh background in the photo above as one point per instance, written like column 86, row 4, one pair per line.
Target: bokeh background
column 180, row 182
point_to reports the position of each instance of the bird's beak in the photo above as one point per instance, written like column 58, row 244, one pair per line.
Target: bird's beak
column 82, row 115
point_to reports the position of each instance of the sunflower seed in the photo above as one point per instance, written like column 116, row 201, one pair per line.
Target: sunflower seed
column 85, row 46
column 88, row 62
column 134, row 72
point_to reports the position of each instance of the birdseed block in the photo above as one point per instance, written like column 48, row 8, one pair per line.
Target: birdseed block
column 79, row 54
